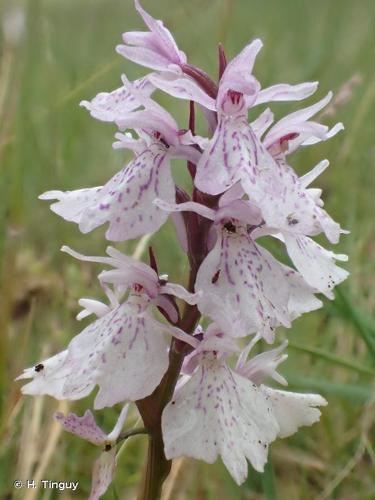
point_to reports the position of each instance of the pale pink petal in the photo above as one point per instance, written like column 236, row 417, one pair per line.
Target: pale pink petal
column 310, row 177
column 188, row 138
column 179, row 224
column 126, row 200
column 245, row 60
column 297, row 123
column 244, row 286
column 286, row 92
column 243, row 210
column 168, row 307
column 72, row 204
column 114, row 434
column 103, row 473
column 128, row 271
column 232, row 154
column 92, row 306
column 219, row 413
column 126, row 141
column 264, row 365
column 285, row 203
column 262, row 123
column 237, row 75
column 47, row 377
column 144, row 56
column 113, row 348
column 187, row 206
column 316, row 264
column 330, row 133
column 180, row 292
column 236, row 192
column 301, row 295
column 165, row 40
column 293, row 410
column 302, row 115
column 84, row 427
column 182, row 87
column 112, row 106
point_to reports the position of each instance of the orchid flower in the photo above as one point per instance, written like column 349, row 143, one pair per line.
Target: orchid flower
column 243, row 287
column 126, row 200
column 86, row 428
column 226, row 412
column 113, row 347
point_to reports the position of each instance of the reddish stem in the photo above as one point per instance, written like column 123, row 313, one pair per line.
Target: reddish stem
column 222, row 60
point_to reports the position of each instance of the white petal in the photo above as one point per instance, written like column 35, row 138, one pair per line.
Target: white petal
column 72, row 204
column 47, row 377
column 218, row 412
column 301, row 295
column 286, row 92
column 286, row 205
column 315, row 263
column 264, row 365
column 182, row 87
column 244, row 288
column 187, row 206
column 113, row 348
column 91, row 306
column 126, row 200
column 102, row 473
column 292, row 410
column 180, row 292
column 112, row 436
column 233, row 151
column 310, row 177
column 261, row 124
column 112, row 106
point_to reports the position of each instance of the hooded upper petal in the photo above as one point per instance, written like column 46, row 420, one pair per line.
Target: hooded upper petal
column 155, row 49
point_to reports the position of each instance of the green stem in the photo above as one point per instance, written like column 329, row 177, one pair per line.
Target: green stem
column 157, row 468
column 132, row 432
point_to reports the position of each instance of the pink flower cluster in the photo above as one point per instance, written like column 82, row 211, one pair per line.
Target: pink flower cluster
column 243, row 188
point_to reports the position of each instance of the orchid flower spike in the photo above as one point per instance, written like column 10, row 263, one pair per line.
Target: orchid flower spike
column 222, row 412
column 86, row 428
column 202, row 390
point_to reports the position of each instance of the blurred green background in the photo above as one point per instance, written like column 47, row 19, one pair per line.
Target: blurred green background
column 53, row 53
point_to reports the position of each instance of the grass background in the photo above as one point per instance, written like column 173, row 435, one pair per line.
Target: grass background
column 66, row 53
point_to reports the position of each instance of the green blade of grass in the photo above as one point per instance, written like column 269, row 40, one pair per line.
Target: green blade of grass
column 268, row 481
column 344, row 305
column 333, row 358
column 351, row 392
